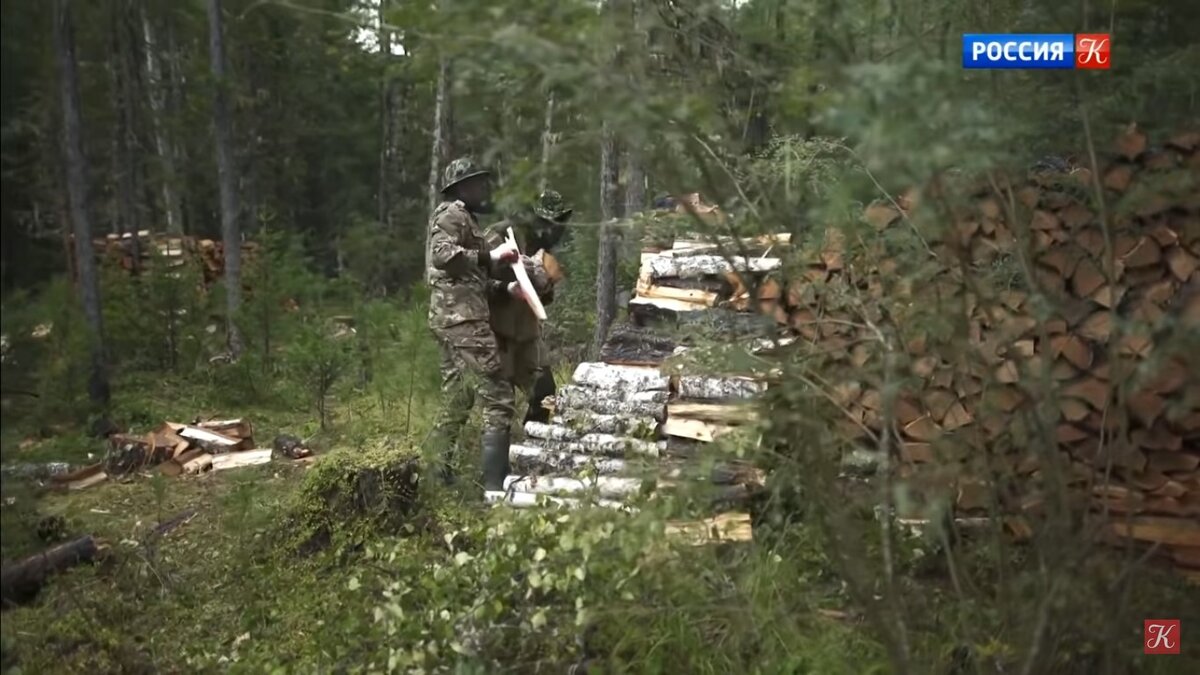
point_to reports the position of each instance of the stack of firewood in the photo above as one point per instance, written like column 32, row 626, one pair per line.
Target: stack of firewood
column 1105, row 315
column 606, row 439
column 175, row 449
column 171, row 250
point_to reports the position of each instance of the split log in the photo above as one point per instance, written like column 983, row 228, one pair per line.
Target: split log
column 584, row 422
column 726, row 527
column 22, row 580
column 639, row 404
column 735, row 413
column 212, row 441
column 1163, row 530
column 697, row 430
column 718, row 388
column 239, row 428
column 694, row 267
column 605, row 486
column 693, row 297
column 629, row 345
column 234, row 460
column 619, row 378
column 198, row 464
column 127, row 454
column 81, row 478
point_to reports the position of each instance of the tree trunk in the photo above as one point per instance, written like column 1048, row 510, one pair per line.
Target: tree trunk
column 388, row 149
column 227, row 181
column 606, row 270
column 547, row 142
column 156, row 90
column 437, row 155
column 77, row 195
column 125, row 133
column 635, row 183
column 21, row 580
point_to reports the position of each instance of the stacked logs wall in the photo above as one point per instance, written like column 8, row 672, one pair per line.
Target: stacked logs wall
column 1110, row 317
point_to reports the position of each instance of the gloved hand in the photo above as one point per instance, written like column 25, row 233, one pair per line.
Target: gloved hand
column 506, row 252
column 514, row 289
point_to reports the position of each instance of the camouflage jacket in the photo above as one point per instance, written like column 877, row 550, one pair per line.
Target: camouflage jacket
column 461, row 267
column 511, row 317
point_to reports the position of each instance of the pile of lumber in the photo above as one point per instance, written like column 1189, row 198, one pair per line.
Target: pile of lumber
column 607, row 443
column 1107, row 316
column 175, row 448
column 169, row 250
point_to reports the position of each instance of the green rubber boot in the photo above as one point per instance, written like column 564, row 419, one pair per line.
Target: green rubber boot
column 495, row 459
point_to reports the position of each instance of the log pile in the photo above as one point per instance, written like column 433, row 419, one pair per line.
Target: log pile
column 607, row 442
column 1107, row 317
column 170, row 250
column 174, row 448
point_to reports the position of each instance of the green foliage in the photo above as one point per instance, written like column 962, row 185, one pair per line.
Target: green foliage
column 317, row 360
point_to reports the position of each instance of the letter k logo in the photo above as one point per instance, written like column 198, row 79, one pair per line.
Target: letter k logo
column 1091, row 50
column 1161, row 636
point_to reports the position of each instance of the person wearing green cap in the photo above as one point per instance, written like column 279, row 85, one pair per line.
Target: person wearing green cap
column 463, row 266
column 538, row 227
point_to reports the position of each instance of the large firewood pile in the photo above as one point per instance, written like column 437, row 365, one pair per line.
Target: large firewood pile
column 172, row 250
column 1100, row 313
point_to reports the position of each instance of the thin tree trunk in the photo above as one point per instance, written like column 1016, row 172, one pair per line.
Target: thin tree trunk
column 388, row 149
column 176, row 147
column 606, row 269
column 635, row 182
column 437, row 155
column 125, row 134
column 77, row 195
column 230, row 230
column 547, row 141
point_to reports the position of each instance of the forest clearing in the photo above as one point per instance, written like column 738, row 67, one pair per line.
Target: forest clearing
column 536, row 336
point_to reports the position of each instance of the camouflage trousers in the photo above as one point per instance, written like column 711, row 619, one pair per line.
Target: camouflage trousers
column 470, row 365
column 523, row 363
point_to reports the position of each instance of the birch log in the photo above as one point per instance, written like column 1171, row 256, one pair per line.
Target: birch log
column 694, row 267
column 620, row 378
column 550, row 432
column 603, row 444
column 718, row 388
column 585, row 422
column 529, row 459
column 528, row 500
column 639, row 404
column 605, row 486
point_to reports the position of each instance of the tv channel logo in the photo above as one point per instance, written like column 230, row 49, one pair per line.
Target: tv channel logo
column 1078, row 51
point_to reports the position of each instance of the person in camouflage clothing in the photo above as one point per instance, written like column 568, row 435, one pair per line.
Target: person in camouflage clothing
column 463, row 265
column 523, row 356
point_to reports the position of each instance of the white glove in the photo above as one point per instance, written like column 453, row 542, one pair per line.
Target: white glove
column 506, row 252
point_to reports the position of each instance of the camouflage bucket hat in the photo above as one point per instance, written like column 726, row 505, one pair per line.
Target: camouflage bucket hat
column 550, row 206
column 460, row 170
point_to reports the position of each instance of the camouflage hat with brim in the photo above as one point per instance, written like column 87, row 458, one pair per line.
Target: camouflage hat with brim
column 550, row 206
column 460, row 170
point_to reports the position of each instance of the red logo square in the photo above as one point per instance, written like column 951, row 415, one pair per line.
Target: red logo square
column 1161, row 636
column 1091, row 50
